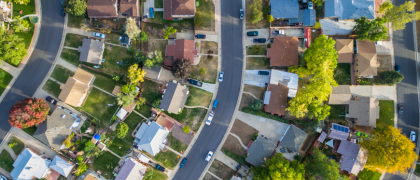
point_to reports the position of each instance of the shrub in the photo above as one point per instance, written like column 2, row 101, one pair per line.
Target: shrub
column 79, row 159
column 11, row 145
column 202, row 71
column 81, row 169
column 254, row 137
column 298, row 158
column 317, row 25
column 257, row 49
column 122, row 130
column 255, row 104
column 390, row 78
column 186, row 129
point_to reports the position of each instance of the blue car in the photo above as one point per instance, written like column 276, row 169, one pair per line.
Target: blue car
column 183, row 163
column 152, row 12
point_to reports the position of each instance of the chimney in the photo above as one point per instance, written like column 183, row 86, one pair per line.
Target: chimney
column 63, row 116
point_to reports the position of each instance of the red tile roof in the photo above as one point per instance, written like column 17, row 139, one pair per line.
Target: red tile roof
column 102, row 8
column 178, row 7
column 278, row 99
column 130, row 7
column 283, row 51
column 181, row 49
column 166, row 122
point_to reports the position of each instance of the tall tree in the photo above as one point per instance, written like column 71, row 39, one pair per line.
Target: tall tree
column 373, row 30
column 28, row 112
column 169, row 31
column 390, row 77
column 89, row 146
column 389, row 150
column 152, row 59
column 135, row 74
column 399, row 15
column 321, row 60
column 75, row 7
column 122, row 130
column 131, row 28
column 181, row 68
column 81, row 169
column 12, row 48
column 20, row 25
column 279, row 168
column 256, row 14
column 322, row 167
column 127, row 95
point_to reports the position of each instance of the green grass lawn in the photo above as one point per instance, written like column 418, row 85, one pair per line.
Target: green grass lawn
column 198, row 97
column 168, row 159
column 237, row 158
column 71, row 56
column 85, row 126
column 75, row 21
column 106, row 163
column 144, row 110
column 337, row 112
column 369, row 175
column 27, row 36
column 210, row 70
column 6, row 161
column 150, row 91
column 120, row 146
column 342, row 74
column 158, row 3
column 157, row 175
column 113, row 38
column 256, row 50
column 386, row 112
column 97, row 105
column 18, row 145
column 176, row 144
column 132, row 121
column 61, row 74
column 103, row 81
column 257, row 63
column 73, row 40
column 187, row 117
column 112, row 55
column 205, row 9
column 52, row 88
column 30, row 130
column 159, row 19
column 26, row 9
column 4, row 81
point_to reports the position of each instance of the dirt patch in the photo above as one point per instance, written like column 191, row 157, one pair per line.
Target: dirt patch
column 179, row 134
column 246, row 99
column 159, row 45
column 261, row 24
column 221, row 170
column 385, row 63
column 255, row 90
column 210, row 69
column 208, row 47
column 209, row 177
column 243, row 130
column 257, row 63
column 232, row 144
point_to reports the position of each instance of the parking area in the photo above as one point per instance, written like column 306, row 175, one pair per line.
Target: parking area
column 252, row 78
column 288, row 32
column 262, row 33
column 189, row 36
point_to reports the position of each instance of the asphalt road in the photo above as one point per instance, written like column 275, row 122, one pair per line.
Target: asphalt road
column 211, row 136
column 39, row 63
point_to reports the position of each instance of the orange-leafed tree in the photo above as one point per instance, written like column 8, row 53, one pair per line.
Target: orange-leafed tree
column 28, row 112
column 389, row 150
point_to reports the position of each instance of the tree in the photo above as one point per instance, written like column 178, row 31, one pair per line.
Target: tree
column 81, row 169
column 125, row 99
column 389, row 150
column 256, row 14
column 22, row 1
column 321, row 60
column 79, row 159
column 399, row 16
column 186, row 129
column 152, row 59
column 140, row 102
column 169, row 31
column 317, row 25
column 149, row 174
column 279, row 168
column 75, row 7
column 322, row 167
column 255, row 104
column 135, row 74
column 14, row 46
column 20, row 25
column 28, row 112
column 89, row 146
column 156, row 104
column 269, row 18
column 390, row 77
column 369, row 175
column 143, row 37
column 181, row 68
column 122, row 130
column 131, row 28
column 372, row 30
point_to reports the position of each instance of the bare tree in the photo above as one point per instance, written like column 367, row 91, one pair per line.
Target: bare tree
column 181, row 68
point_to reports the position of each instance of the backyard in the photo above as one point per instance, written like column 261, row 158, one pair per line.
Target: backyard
column 120, row 146
column 105, row 163
column 132, row 121
column 144, row 110
column 17, row 145
column 4, row 81
column 198, row 97
column 150, row 91
column 71, row 56
column 73, row 40
column 256, row 50
column 386, row 112
column 342, row 74
column 257, row 63
column 221, row 170
column 97, row 105
column 204, row 15
column 52, row 88
column 113, row 38
column 206, row 70
column 7, row 161
column 103, row 81
column 61, row 73
column 117, row 60
column 337, row 112
column 190, row 117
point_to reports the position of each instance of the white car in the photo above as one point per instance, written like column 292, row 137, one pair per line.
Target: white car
column 209, row 119
column 310, row 5
column 209, row 155
column 221, row 76
column 100, row 35
column 413, row 136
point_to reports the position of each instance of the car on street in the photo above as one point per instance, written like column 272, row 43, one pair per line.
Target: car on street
column 200, row 36
column 310, row 5
column 195, row 82
column 265, row 73
column 278, row 32
column 360, row 134
column 221, row 76
column 62, row 12
column 400, row 108
column 241, row 13
column 209, row 155
column 413, row 136
column 209, row 119
column 183, row 163
column 51, row 100
column 100, row 35
column 160, row 168
column 252, row 33
column 260, row 40
column 397, row 68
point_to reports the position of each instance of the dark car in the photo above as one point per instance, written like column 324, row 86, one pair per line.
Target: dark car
column 195, row 82
column 263, row 73
column 51, row 100
column 400, row 108
column 200, row 36
column 252, row 33
column 160, row 168
column 260, row 40
column 62, row 12
column 183, row 163
column 397, row 68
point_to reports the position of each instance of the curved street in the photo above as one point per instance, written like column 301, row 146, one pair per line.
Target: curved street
column 39, row 63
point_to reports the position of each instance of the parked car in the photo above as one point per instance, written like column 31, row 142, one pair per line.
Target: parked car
column 397, row 68
column 360, row 134
column 183, row 163
column 265, row 73
column 241, row 13
column 252, row 33
column 100, row 35
column 195, row 82
column 209, row 155
column 209, row 119
column 152, row 12
column 400, row 108
column 260, row 40
column 160, row 168
column 62, row 12
column 413, row 136
column 277, row 32
column 200, row 36
column 310, row 5
column 51, row 100
column 221, row 76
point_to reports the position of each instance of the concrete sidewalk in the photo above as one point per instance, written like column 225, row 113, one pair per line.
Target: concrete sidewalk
column 227, row 160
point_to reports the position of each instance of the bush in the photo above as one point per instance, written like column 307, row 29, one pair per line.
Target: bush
column 202, row 71
column 11, row 145
column 254, row 137
column 255, row 104
column 34, row 20
column 369, row 175
column 317, row 25
column 186, row 129
column 390, row 78
column 298, row 158
column 122, row 130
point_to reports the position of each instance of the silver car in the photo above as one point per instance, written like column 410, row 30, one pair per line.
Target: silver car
column 209, row 155
column 413, row 136
column 221, row 76
column 100, row 35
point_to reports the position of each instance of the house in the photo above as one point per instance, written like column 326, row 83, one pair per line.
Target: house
column 61, row 165
column 91, row 51
column 76, row 88
column 283, row 51
column 365, row 110
column 293, row 138
column 102, row 8
column 306, row 17
column 180, row 49
column 353, row 159
column 131, row 170
column 260, row 150
column 345, row 50
column 29, row 165
column 165, row 121
column 157, row 73
column 56, row 128
column 284, row 9
column 129, row 8
column 90, row 175
column 151, row 138
column 5, row 12
column 174, row 97
column 291, row 80
column 125, row 40
column 178, row 9
column 349, row 9
column 339, row 132
column 366, row 64
column 275, row 99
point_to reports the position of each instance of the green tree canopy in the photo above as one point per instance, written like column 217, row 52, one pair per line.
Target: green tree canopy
column 153, row 59
column 390, row 77
column 14, row 46
column 144, row 37
column 169, row 31
column 269, row 18
column 89, row 146
column 400, row 15
column 131, row 28
column 20, row 25
column 278, row 168
column 21, row 1
column 323, row 167
column 122, row 129
column 81, row 169
column 373, row 30
column 135, row 74
column 256, row 13
column 186, row 129
column 76, row 7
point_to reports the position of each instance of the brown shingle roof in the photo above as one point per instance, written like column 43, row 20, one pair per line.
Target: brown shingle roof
column 365, row 46
column 367, row 64
column 278, row 99
column 102, row 8
column 178, row 8
column 74, row 90
column 165, row 122
column 365, row 110
column 345, row 50
column 284, row 51
column 130, row 7
column 181, row 49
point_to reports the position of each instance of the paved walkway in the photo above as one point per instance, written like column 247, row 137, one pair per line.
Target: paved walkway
column 139, row 114
column 255, row 55
column 116, row 45
column 255, row 97
column 227, row 160
column 207, row 87
column 14, row 71
column 11, row 152
column 214, row 175
column 70, row 48
column 176, row 152
column 239, row 139
column 106, row 149
column 104, row 91
column 79, row 31
column 25, row 16
column 158, row 9
column 66, row 64
column 196, row 107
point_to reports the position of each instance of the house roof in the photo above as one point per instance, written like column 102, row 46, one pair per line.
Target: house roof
column 150, row 137
column 354, row 158
column 305, row 16
column 83, row 76
column 102, row 8
column 365, row 46
column 116, row 90
column 74, row 89
column 129, row 108
column 293, row 138
column 289, row 79
column 322, row 137
column 283, row 51
column 178, row 7
column 365, row 110
column 61, row 165
column 131, row 170
column 350, row 9
column 129, row 7
column 284, row 8
column 174, row 97
column 260, row 150
column 278, row 99
column 153, row 72
column 342, row 89
column 337, row 134
column 339, row 99
column 29, row 164
column 55, row 129
column 181, row 49
column 345, row 50
column 165, row 122
column 91, row 51
column 367, row 64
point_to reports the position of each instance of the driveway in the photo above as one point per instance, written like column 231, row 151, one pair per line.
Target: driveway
column 209, row 37
column 189, row 36
column 252, row 78
column 262, row 33
column 380, row 92
column 289, row 32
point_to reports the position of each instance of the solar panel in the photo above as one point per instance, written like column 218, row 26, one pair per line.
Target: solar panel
column 340, row 128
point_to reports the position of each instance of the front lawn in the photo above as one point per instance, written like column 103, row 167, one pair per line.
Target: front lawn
column 61, row 74
column 158, row 3
column 145, row 110
column 26, row 9
column 97, row 105
column 75, row 21
column 4, row 81
column 120, row 146
column 159, row 20
column 103, row 81
column 337, row 112
column 105, row 163
column 206, row 70
column 209, row 47
column 73, row 40
column 17, row 145
column 198, row 97
column 7, row 161
column 386, row 112
column 205, row 10
column 256, row 50
column 157, row 175
column 71, row 56
column 190, row 117
column 52, row 88
column 30, row 130
column 342, row 74
column 257, row 63
column 168, row 159
column 176, row 144
column 114, row 58
column 261, row 24
column 150, row 91
column 132, row 121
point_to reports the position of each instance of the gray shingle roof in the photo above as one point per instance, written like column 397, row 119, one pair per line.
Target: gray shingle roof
column 174, row 98
column 260, row 149
column 350, row 9
column 293, row 138
column 150, row 137
column 61, row 165
column 306, row 16
column 91, row 51
column 284, row 8
column 29, row 164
